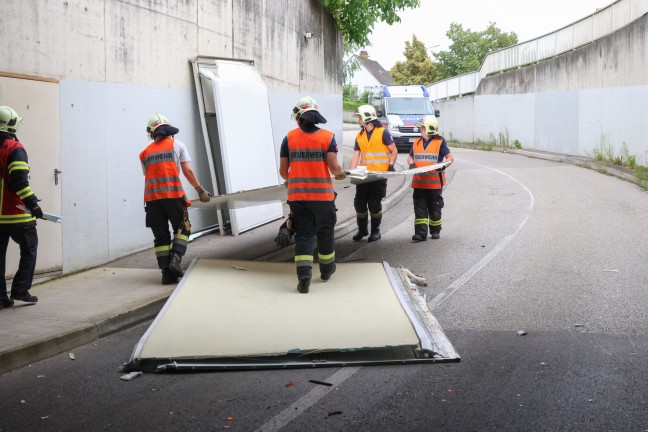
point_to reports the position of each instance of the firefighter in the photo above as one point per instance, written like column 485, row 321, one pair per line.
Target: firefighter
column 430, row 149
column 15, row 223
column 308, row 157
column 164, row 197
column 375, row 149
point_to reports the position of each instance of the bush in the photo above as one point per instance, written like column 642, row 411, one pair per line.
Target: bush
column 350, row 105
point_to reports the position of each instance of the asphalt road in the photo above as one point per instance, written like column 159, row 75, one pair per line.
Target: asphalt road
column 552, row 249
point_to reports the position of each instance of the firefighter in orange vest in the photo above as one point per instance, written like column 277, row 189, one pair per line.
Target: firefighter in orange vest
column 15, row 223
column 375, row 149
column 430, row 149
column 308, row 157
column 164, row 197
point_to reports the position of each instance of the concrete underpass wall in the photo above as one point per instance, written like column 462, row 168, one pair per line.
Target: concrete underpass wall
column 595, row 97
column 120, row 61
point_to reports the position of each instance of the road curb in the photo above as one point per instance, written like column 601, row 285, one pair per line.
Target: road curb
column 86, row 333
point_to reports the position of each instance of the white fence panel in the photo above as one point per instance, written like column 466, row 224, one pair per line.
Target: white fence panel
column 584, row 31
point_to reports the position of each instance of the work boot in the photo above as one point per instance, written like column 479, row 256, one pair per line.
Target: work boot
column 419, row 237
column 27, row 298
column 362, row 229
column 303, row 285
column 327, row 275
column 168, row 278
column 174, row 264
column 435, row 235
column 375, row 229
column 6, row 303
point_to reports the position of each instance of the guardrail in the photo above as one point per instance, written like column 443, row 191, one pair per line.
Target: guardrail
column 584, row 31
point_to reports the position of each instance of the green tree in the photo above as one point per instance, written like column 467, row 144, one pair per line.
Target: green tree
column 468, row 49
column 356, row 18
column 417, row 67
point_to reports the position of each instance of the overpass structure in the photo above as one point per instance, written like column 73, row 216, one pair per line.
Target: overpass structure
column 580, row 90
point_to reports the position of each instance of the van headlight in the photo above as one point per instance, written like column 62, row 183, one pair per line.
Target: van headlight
column 392, row 127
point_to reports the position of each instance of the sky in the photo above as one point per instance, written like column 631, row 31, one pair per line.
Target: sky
column 529, row 19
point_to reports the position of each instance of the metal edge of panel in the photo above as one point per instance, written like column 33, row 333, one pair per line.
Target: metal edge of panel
column 405, row 300
column 222, row 366
column 195, row 66
column 134, row 361
column 433, row 338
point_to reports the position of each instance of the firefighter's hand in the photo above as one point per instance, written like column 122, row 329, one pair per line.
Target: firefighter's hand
column 441, row 169
column 285, row 235
column 340, row 176
column 391, row 168
column 203, row 194
column 412, row 166
column 36, row 211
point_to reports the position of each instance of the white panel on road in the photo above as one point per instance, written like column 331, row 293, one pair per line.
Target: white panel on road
column 248, row 314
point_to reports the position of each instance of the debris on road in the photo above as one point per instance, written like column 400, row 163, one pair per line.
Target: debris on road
column 521, row 333
column 320, row 382
column 130, row 376
column 72, row 356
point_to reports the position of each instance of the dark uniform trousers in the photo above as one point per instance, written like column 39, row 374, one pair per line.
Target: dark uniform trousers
column 159, row 213
column 314, row 220
column 27, row 238
column 427, row 210
column 370, row 195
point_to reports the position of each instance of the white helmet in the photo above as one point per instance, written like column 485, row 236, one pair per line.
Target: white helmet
column 303, row 105
column 155, row 122
column 366, row 112
column 9, row 120
column 431, row 125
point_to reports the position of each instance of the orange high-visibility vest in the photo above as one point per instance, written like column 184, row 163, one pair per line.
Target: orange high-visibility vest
column 424, row 157
column 373, row 152
column 161, row 172
column 9, row 213
column 309, row 178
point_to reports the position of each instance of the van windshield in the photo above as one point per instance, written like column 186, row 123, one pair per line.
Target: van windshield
column 408, row 105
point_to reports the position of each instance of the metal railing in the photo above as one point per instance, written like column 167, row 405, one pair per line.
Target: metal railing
column 584, row 31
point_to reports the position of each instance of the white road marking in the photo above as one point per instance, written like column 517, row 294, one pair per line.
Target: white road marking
column 306, row 401
column 460, row 281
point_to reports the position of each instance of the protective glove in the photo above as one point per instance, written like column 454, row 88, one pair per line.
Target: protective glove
column 391, row 168
column 441, row 169
column 36, row 211
column 203, row 194
column 412, row 166
column 285, row 235
column 340, row 176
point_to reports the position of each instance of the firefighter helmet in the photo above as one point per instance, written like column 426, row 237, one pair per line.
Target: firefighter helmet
column 303, row 105
column 156, row 121
column 9, row 120
column 430, row 123
column 367, row 113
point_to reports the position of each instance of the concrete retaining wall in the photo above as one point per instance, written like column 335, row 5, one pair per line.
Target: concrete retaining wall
column 120, row 61
column 593, row 98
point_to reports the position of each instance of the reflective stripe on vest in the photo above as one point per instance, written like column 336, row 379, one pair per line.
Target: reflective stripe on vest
column 373, row 152
column 425, row 157
column 9, row 213
column 309, row 178
column 162, row 176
